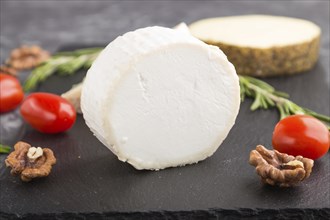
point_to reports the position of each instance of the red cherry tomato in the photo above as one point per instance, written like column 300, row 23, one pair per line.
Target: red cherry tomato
column 301, row 135
column 11, row 93
column 48, row 113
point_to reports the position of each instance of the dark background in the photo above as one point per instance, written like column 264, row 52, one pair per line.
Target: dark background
column 89, row 179
column 55, row 23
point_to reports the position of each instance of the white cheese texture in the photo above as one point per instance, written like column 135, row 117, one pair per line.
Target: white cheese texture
column 256, row 31
column 160, row 98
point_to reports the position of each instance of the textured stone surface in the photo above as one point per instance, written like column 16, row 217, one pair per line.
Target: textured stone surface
column 187, row 215
column 88, row 181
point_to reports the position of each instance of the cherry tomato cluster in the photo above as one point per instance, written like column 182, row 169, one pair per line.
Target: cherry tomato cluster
column 46, row 112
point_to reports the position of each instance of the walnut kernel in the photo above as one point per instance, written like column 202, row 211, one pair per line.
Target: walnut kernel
column 8, row 70
column 30, row 162
column 27, row 57
column 34, row 153
column 280, row 169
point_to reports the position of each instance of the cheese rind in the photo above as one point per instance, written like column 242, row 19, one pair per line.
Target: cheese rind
column 159, row 98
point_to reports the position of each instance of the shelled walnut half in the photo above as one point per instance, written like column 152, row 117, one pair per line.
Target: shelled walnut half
column 30, row 162
column 8, row 70
column 27, row 57
column 280, row 169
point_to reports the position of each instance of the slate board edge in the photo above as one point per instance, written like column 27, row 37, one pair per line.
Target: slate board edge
column 308, row 213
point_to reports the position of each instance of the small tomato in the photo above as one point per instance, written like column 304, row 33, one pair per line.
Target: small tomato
column 301, row 135
column 11, row 93
column 48, row 113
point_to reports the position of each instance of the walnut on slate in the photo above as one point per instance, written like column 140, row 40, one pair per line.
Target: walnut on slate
column 8, row 70
column 280, row 169
column 30, row 162
column 27, row 57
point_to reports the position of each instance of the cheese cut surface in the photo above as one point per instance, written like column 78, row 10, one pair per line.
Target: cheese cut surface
column 160, row 98
column 263, row 45
column 256, row 31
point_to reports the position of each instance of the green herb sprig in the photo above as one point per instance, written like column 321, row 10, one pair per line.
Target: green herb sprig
column 4, row 149
column 264, row 95
column 62, row 63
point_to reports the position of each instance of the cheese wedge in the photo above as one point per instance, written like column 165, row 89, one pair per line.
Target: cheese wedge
column 160, row 98
column 263, row 45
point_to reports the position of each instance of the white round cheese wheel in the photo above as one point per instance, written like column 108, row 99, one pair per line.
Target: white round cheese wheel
column 160, row 98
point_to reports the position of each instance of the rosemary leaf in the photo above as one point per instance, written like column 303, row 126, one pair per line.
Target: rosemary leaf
column 265, row 96
column 256, row 104
column 4, row 149
column 79, row 52
column 63, row 63
column 72, row 66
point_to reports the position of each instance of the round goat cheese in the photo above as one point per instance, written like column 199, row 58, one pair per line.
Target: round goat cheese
column 263, row 45
column 159, row 98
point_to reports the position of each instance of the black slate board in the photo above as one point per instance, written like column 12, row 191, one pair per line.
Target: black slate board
column 89, row 182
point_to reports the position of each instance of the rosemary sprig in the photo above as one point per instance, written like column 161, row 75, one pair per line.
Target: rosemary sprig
column 62, row 63
column 265, row 97
column 4, row 149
